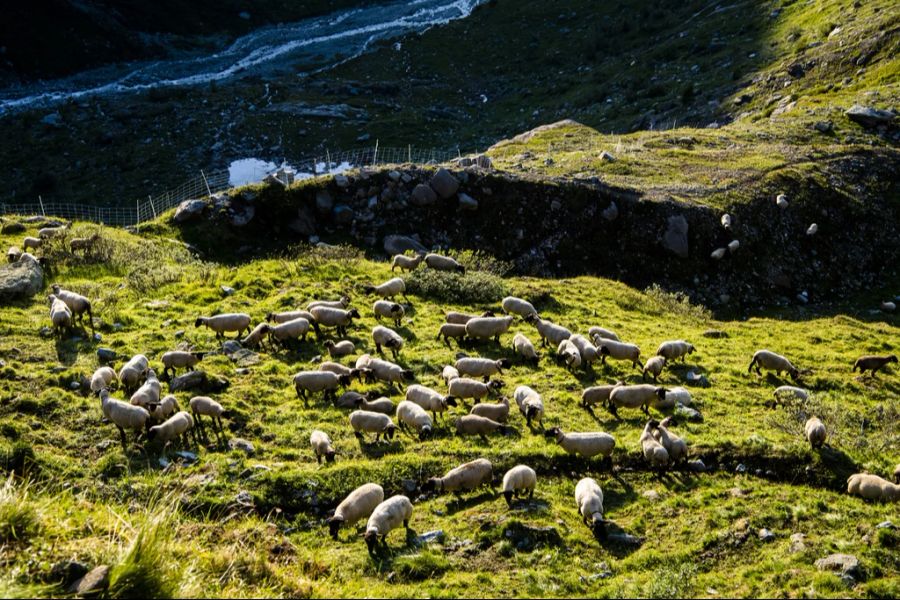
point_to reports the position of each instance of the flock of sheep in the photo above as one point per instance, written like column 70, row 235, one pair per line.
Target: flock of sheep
column 469, row 378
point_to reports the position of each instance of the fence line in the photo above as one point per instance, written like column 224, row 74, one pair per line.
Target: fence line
column 206, row 184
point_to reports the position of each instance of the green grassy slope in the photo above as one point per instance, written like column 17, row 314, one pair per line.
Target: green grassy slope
column 87, row 500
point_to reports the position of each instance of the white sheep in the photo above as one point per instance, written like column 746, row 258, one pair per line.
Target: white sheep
column 634, row 396
column 568, row 352
column 620, row 351
column 171, row 429
column 406, row 263
column 336, row 368
column 726, row 221
column 342, row 302
column 586, row 349
column 598, row 394
column 32, row 243
column 358, row 505
column 166, row 407
column 412, row 416
column 226, row 322
column 464, row 478
column 459, row 318
column 13, row 254
column 46, row 233
column 326, row 316
column 78, row 304
column 284, row 317
column 283, row 333
column 443, row 263
column 372, row 422
column 124, row 415
column 531, row 405
column 255, row 338
column 60, row 315
column 589, row 500
column 654, row 452
column 180, row 359
column 518, row 481
column 601, row 333
column 456, row 331
column 429, row 399
column 484, row 328
column 518, row 306
column 815, row 432
column 385, row 336
column 132, row 371
column 674, row 445
column 523, row 347
column 587, row 444
column 498, row 411
column 472, row 366
column 478, row 425
column 388, row 289
column 449, row 373
column 204, row 406
column 386, row 517
column 381, row 405
column 321, row 446
column 148, row 394
column 773, row 362
column 318, row 381
column 674, row 349
column 549, row 331
column 463, row 387
column 389, row 372
column 388, row 310
column 339, row 349
column 873, row 487
column 654, row 367
column 102, row 378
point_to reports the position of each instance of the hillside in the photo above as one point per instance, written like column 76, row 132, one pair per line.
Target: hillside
column 221, row 522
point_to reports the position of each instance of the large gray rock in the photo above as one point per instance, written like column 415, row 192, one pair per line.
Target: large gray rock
column 343, row 214
column 193, row 380
column 93, row 583
column 868, row 116
column 467, row 202
column 444, row 184
column 304, row 224
column 845, row 564
column 423, row 195
column 13, row 227
column 324, row 203
column 398, row 244
column 21, row 279
column 241, row 216
column 527, row 537
column 675, row 239
column 189, row 209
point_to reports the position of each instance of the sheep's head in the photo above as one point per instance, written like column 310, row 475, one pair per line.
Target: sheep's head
column 408, row 375
column 334, row 525
column 425, row 433
column 270, row 317
column 199, row 321
column 504, row 363
column 554, row 432
column 389, row 431
column 354, row 314
column 55, row 288
column 396, row 308
column 891, row 358
column 432, row 485
column 495, row 384
column 345, row 300
column 668, row 422
column 652, row 424
column 487, row 313
column 460, row 269
column 448, row 401
column 603, row 351
column 599, row 527
column 508, row 496
column 371, row 538
column 794, row 373
column 344, row 380
column 329, row 456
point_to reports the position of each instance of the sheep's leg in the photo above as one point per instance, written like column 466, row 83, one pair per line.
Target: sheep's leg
column 483, row 438
column 124, row 440
column 378, row 348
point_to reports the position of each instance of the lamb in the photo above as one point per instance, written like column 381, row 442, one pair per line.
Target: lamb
column 464, row 478
column 488, row 327
column 428, row 399
column 326, row 316
column 597, row 394
column 815, row 432
column 599, row 333
column 388, row 310
column 164, row 409
column 60, row 315
column 381, row 405
column 531, row 405
column 773, row 362
column 411, row 415
column 318, row 381
column 180, row 359
column 674, row 445
column 494, row 411
column 481, row 367
column 283, row 333
column 519, row 480
column 569, row 354
column 13, row 254
column 372, row 422
column 523, row 347
column 102, row 378
column 517, row 306
column 634, row 396
column 873, row 487
column 654, row 452
column 284, row 317
column 549, row 331
column 46, row 233
column 131, row 372
column 384, row 336
column 463, row 387
column 459, row 318
column 225, row 322
column 443, row 263
column 173, row 428
column 78, row 304
column 343, row 302
column 32, row 243
column 588, row 444
column 336, row 368
column 339, row 349
column 388, row 289
column 478, row 425
column 873, row 363
column 586, row 349
column 255, row 338
column 620, row 351
column 589, row 500
column 149, row 393
column 321, row 446
column 86, row 243
column 452, row 330
column 675, row 349
column 654, row 367
column 389, row 372
column 406, row 263
column 449, row 373
column 359, row 504
column 207, row 407
column 386, row 517
column 124, row 415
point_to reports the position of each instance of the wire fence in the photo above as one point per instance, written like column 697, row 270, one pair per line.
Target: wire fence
column 206, row 184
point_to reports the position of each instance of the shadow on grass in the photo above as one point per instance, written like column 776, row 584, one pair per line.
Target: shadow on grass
column 459, row 503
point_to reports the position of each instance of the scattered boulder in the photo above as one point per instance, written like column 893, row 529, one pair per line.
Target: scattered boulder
column 343, row 214
column 824, row 126
column 869, row 117
column 398, row 244
column 92, row 583
column 845, row 564
column 675, row 239
column 21, row 279
column 68, row 571
column 430, row 536
column 106, row 355
column 715, row 333
column 242, row 445
column 467, row 202
column 611, row 212
column 528, row 537
column 342, row 181
column 607, row 157
column 696, row 465
column 198, row 379
column 12, row 227
column 240, row 216
column 231, row 346
column 188, row 210
column 304, row 224
column 444, row 184
column 797, row 543
column 423, row 195
column 766, row 535
column 324, row 203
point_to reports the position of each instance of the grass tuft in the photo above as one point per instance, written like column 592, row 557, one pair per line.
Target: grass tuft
column 19, row 518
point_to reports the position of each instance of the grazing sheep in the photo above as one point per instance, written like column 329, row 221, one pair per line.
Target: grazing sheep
column 452, row 330
column 634, row 396
column 786, row 392
column 815, row 432
column 149, row 392
column 406, row 263
column 429, row 399
column 674, row 445
column 588, row 444
column 283, row 333
column 172, row 429
column 86, row 243
column 466, row 477
column 531, row 405
column 517, row 306
column 339, row 349
column 47, row 233
column 318, row 381
column 372, row 422
column 449, row 373
column 180, row 359
column 389, row 372
column 388, row 289
column 411, row 415
column 381, row 405
column 675, row 349
column 102, row 378
column 518, row 481
column 343, row 302
column 654, row 367
column 358, row 505
column 483, row 328
column 13, row 254
column 131, row 372
column 124, row 415
column 255, row 338
column 654, row 452
column 223, row 323
column 325, row 316
column 773, row 362
column 569, row 354
column 388, row 310
column 321, row 446
column 386, row 517
column 478, row 425
column 32, row 243
column 601, row 333
column 166, row 407
column 60, row 315
column 523, row 347
column 207, row 407
column 873, row 487
column 336, row 368
column 597, row 394
column 873, row 363
column 481, row 367
column 385, row 336
column 620, row 351
column 549, row 331
column 589, row 500
column 586, row 349
column 463, row 387
column 284, row 317
column 443, row 263
column 494, row 411
column 351, row 399
column 459, row 318
column 78, row 304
